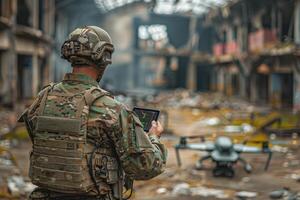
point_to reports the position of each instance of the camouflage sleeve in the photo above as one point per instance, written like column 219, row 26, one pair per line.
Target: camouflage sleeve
column 142, row 156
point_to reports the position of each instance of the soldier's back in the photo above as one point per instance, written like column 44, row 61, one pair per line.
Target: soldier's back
column 82, row 152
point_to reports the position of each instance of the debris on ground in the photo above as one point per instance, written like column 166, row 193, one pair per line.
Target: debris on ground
column 181, row 189
column 279, row 149
column 186, row 190
column 161, row 190
column 18, row 187
column 214, row 121
column 184, row 113
column 246, row 195
column 277, row 194
column 285, row 193
column 209, row 192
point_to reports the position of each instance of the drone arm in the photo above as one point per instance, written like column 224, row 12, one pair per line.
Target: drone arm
column 199, row 164
column 178, row 156
column 205, row 158
column 264, row 149
column 194, row 146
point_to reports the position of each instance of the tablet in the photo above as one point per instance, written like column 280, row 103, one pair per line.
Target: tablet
column 146, row 116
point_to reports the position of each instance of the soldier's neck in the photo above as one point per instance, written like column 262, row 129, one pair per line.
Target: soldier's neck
column 89, row 71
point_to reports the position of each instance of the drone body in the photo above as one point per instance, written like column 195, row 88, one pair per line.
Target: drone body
column 223, row 153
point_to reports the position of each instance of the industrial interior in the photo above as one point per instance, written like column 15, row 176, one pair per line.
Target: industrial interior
column 219, row 71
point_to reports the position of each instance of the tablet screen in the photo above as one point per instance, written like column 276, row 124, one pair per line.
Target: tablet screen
column 146, row 116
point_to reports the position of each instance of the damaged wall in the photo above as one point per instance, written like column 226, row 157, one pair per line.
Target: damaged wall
column 23, row 33
column 297, row 85
column 253, row 35
column 297, row 22
column 120, row 25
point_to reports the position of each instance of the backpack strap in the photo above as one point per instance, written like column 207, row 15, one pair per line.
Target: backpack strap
column 44, row 98
column 89, row 97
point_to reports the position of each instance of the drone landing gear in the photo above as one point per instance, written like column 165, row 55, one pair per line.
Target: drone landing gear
column 223, row 170
column 247, row 166
column 199, row 164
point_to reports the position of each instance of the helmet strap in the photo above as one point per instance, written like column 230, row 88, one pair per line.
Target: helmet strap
column 100, row 69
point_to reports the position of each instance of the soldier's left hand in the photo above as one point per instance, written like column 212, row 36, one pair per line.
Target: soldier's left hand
column 156, row 129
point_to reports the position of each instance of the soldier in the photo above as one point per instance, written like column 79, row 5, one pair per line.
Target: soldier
column 86, row 145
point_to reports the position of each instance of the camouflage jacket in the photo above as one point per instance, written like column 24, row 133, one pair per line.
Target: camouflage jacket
column 141, row 155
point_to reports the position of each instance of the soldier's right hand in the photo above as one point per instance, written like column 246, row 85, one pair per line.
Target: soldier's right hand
column 156, row 129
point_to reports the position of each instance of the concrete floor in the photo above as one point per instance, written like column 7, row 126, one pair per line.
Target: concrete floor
column 283, row 165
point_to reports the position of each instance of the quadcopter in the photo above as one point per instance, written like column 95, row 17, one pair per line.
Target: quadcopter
column 223, row 152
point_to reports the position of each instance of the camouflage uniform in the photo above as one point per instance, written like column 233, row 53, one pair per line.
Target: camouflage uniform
column 112, row 127
column 86, row 145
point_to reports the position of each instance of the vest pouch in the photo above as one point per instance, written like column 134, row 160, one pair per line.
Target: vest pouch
column 58, row 159
column 58, row 125
column 112, row 170
column 31, row 164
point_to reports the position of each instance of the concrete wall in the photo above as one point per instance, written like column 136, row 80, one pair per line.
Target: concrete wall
column 297, row 22
column 28, row 40
column 120, row 25
column 296, row 88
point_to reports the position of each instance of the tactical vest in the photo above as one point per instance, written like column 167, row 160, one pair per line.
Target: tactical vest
column 62, row 159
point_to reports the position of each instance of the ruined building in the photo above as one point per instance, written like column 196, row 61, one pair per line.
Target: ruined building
column 253, row 51
column 243, row 48
column 26, row 32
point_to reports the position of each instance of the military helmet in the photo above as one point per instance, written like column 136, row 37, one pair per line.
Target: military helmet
column 89, row 45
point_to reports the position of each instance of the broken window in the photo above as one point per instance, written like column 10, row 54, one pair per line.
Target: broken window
column 235, row 82
column 1, row 7
column 297, row 23
column 162, row 6
column 24, row 76
column 262, row 85
column 153, row 36
column 287, row 93
column 235, row 32
column 204, row 74
column 224, row 37
column 41, row 15
column 42, row 71
column 287, row 23
column 24, row 13
column 1, row 77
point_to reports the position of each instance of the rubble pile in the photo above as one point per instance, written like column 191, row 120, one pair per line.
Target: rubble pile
column 8, row 122
column 13, row 185
column 182, row 98
column 284, row 193
column 185, row 189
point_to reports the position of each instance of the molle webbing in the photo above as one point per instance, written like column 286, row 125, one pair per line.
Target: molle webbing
column 61, row 152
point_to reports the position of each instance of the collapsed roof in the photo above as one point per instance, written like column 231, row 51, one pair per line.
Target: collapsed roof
column 197, row 7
